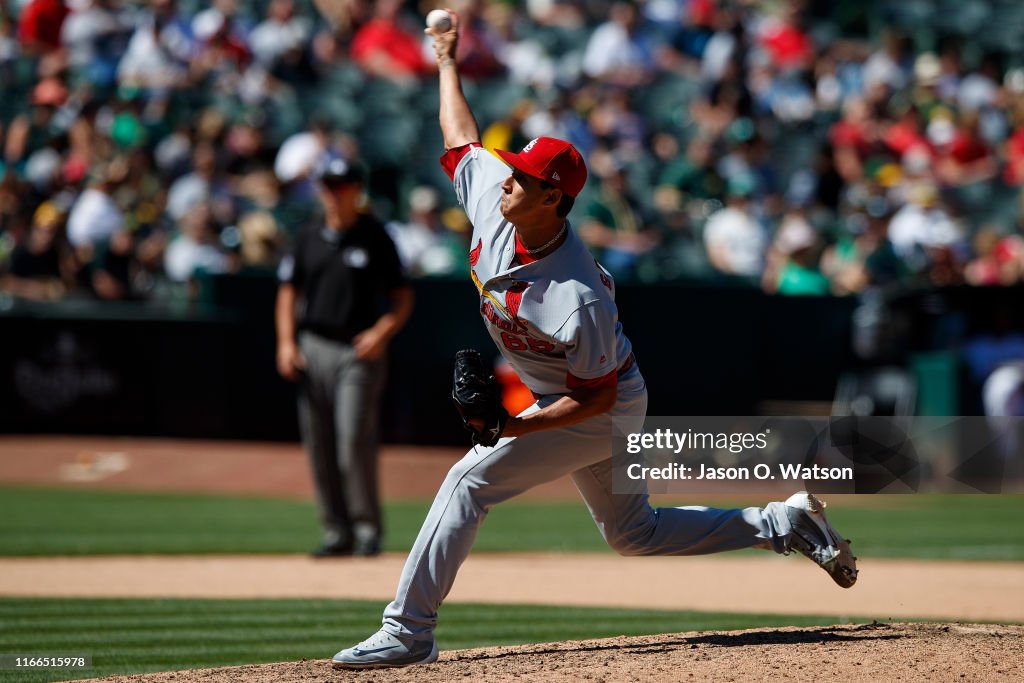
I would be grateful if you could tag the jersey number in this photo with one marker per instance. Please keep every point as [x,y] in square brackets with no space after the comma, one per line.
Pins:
[514,343]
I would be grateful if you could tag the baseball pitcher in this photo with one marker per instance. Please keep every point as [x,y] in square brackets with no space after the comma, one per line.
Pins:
[550,309]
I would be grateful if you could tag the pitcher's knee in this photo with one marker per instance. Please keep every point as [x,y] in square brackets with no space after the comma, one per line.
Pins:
[627,548]
[633,542]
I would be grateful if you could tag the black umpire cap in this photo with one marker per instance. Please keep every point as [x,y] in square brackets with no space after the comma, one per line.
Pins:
[337,172]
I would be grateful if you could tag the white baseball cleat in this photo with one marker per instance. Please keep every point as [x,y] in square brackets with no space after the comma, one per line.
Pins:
[814,537]
[384,651]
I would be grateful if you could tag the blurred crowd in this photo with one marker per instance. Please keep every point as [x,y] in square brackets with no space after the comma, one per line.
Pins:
[802,146]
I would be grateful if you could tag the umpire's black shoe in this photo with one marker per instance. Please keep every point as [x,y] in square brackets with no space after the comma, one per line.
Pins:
[369,548]
[334,550]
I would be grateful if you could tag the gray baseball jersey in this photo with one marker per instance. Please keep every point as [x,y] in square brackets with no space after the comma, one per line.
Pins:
[553,319]
[556,322]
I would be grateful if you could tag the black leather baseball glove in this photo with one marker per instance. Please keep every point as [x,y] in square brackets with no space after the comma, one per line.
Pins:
[477,397]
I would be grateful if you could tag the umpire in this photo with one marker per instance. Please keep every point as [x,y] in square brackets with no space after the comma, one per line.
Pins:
[342,297]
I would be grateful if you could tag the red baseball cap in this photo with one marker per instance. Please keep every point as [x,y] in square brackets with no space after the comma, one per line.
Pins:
[556,162]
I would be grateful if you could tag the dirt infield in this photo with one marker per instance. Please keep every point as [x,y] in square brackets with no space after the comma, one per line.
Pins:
[907,652]
[278,470]
[888,589]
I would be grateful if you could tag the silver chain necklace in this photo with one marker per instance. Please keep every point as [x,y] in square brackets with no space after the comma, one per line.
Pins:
[552,241]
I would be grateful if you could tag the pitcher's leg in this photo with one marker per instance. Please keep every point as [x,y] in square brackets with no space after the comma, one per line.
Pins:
[632,527]
[482,479]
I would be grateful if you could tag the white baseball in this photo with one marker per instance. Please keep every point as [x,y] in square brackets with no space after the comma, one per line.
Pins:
[439,20]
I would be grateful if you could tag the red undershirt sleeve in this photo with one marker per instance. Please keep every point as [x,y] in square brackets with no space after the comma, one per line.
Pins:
[450,159]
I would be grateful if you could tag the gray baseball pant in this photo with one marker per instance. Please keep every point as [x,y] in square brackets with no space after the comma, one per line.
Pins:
[339,405]
[488,476]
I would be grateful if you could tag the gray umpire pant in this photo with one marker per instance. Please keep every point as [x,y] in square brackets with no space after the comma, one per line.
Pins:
[488,476]
[339,406]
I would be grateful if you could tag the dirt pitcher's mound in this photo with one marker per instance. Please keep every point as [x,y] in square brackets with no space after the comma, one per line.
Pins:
[932,652]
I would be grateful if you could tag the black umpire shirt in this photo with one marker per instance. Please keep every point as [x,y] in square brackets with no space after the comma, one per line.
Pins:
[344,277]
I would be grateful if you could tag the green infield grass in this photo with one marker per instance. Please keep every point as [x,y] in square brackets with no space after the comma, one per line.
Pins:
[135,636]
[81,522]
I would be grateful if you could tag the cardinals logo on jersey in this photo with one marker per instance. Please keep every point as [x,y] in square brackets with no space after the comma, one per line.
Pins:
[474,255]
[514,298]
